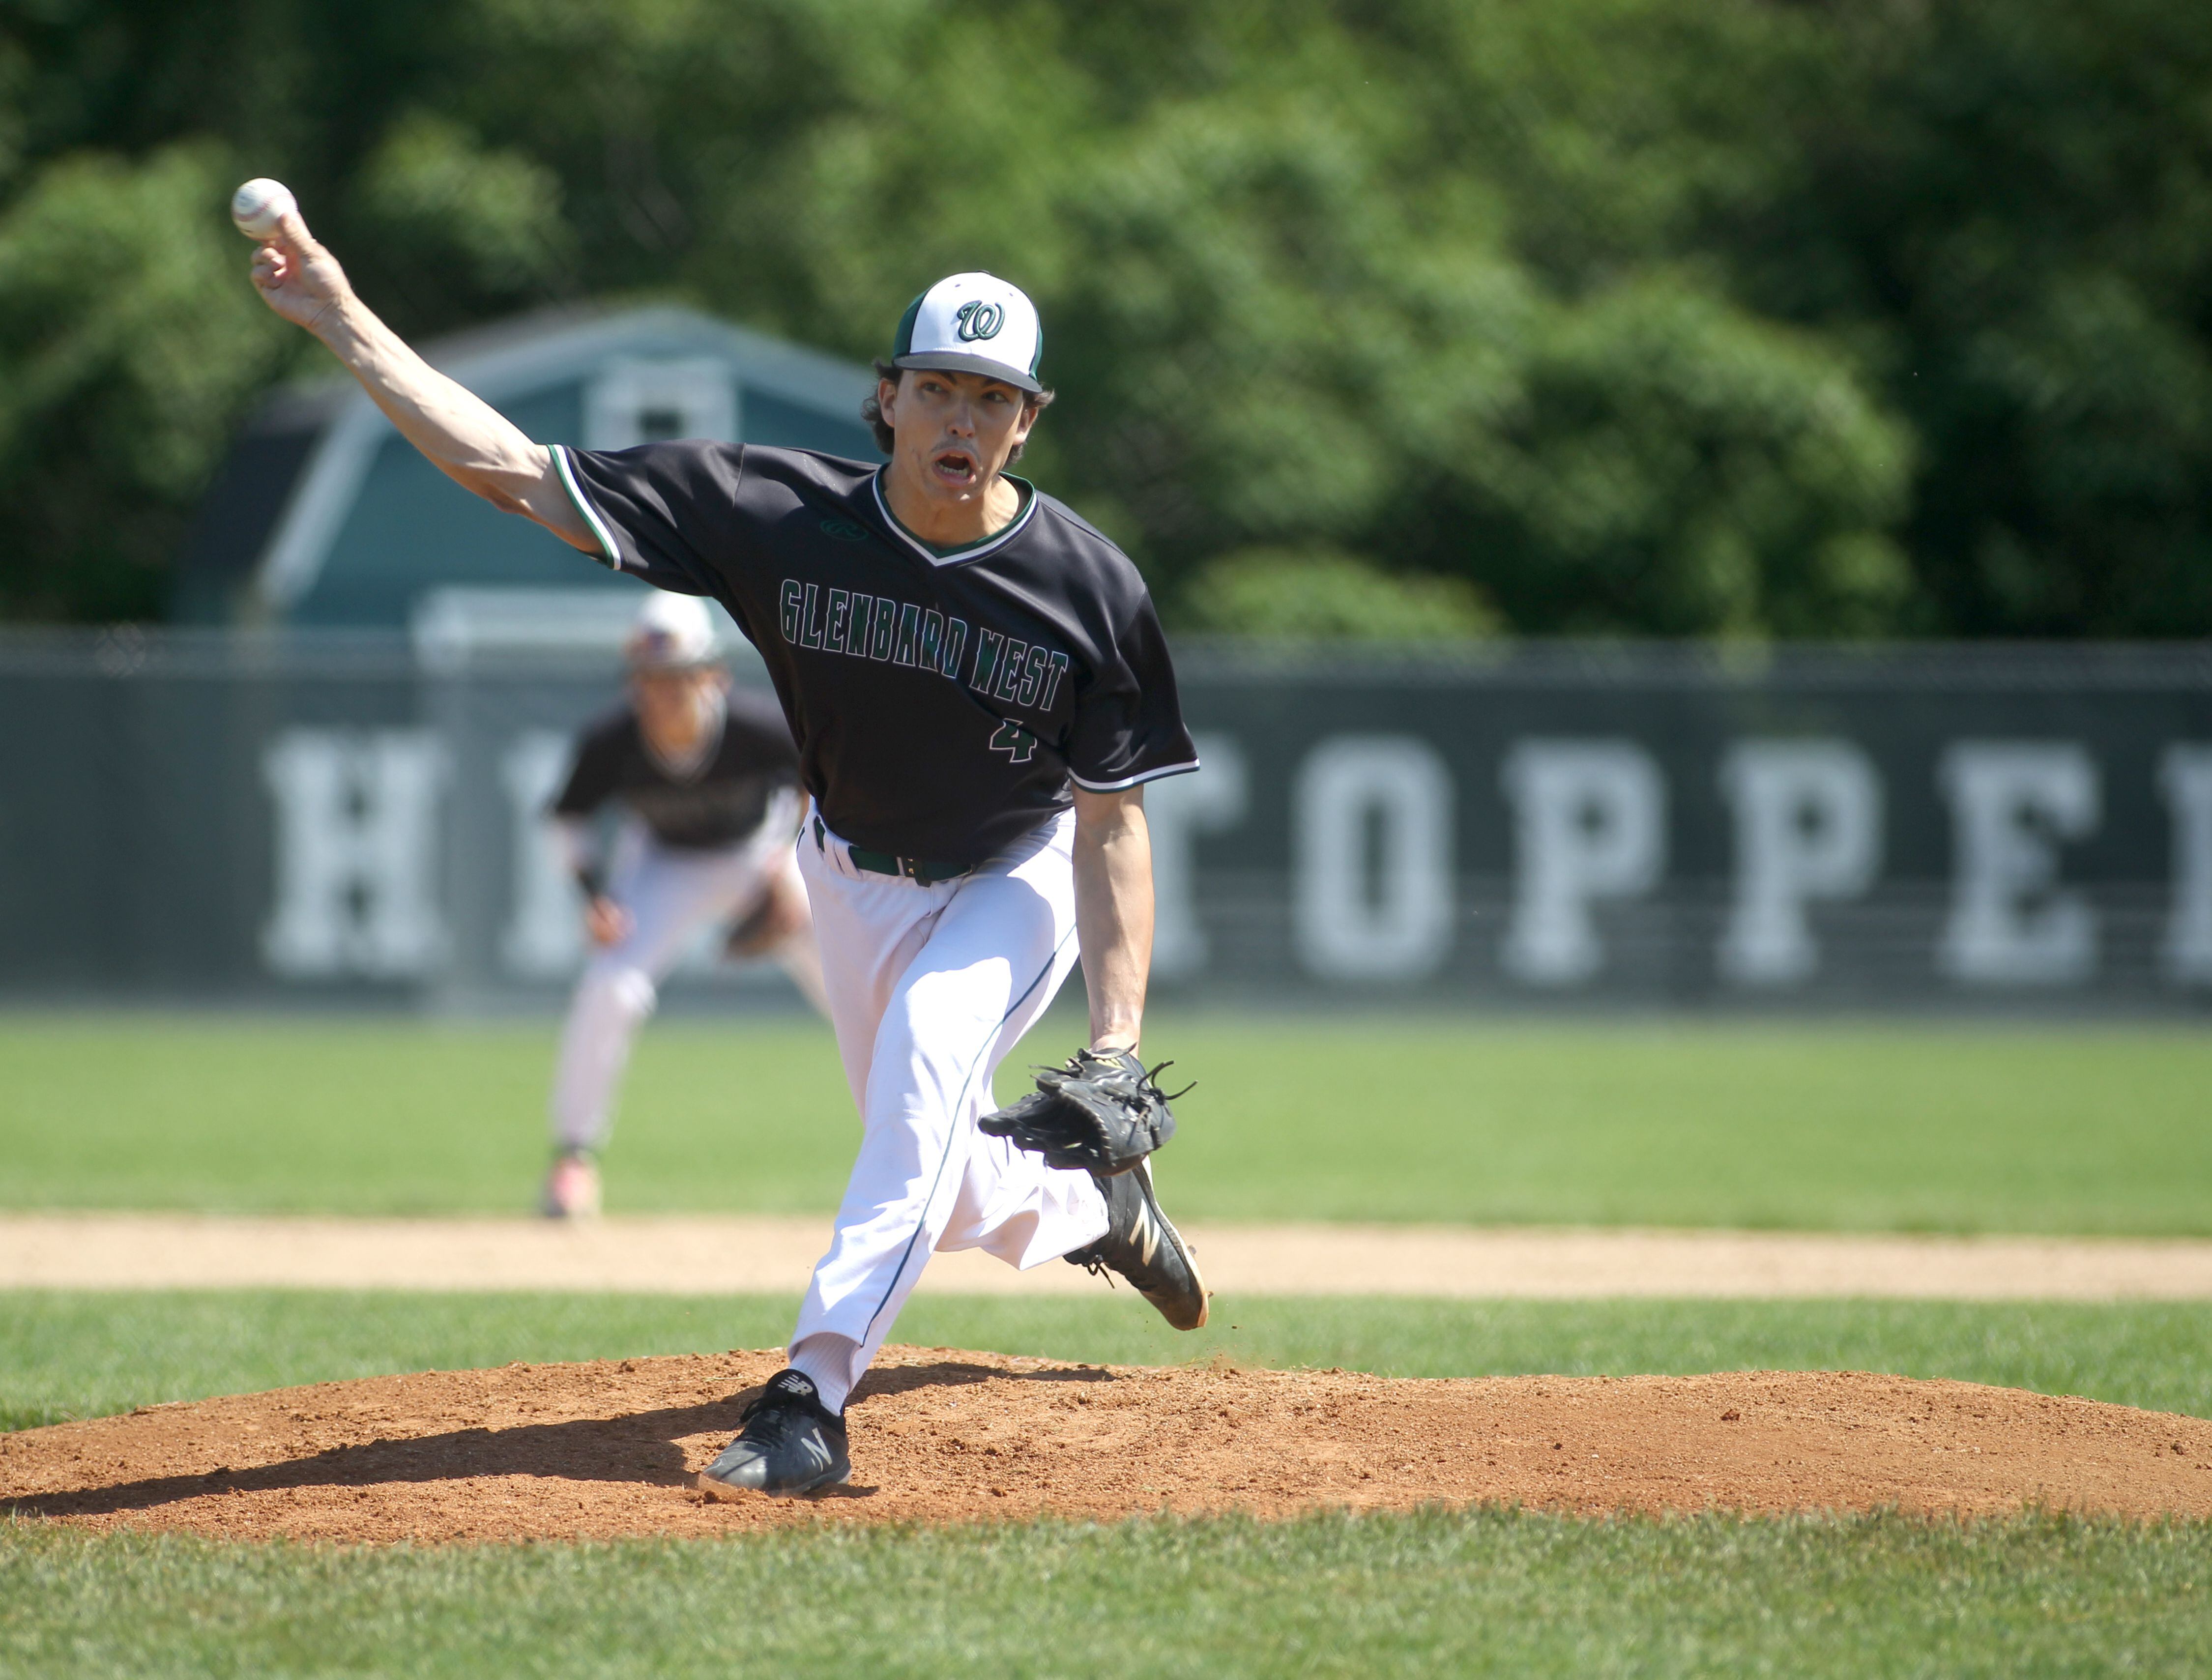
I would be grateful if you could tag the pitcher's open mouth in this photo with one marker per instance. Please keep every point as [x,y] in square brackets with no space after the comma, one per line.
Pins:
[954,466]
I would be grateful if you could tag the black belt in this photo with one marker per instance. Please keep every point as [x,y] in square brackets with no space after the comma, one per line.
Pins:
[920,871]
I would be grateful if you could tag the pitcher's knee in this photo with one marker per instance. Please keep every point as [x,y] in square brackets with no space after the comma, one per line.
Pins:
[624,988]
[948,1013]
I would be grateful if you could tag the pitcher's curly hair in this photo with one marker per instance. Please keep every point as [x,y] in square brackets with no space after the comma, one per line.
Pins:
[871,410]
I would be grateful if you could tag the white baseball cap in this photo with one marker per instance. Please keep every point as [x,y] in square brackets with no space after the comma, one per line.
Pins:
[973,324]
[672,633]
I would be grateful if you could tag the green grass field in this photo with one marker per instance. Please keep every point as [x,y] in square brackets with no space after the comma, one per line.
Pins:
[1817,1126]
[2014,1128]
[1467,1591]
[1479,1592]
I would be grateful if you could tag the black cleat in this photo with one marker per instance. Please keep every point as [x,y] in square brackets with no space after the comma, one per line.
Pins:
[1146,1249]
[791,1443]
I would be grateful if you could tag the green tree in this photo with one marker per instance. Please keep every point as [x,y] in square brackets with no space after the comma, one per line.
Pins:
[2007,205]
[1710,317]
[128,349]
[1321,594]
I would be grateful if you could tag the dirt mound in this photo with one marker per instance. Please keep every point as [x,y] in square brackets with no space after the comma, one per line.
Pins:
[610,1448]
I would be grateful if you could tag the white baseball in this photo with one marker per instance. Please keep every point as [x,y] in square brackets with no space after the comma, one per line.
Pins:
[259,205]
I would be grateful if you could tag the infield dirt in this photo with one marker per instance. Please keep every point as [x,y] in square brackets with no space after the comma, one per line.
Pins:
[610,1448]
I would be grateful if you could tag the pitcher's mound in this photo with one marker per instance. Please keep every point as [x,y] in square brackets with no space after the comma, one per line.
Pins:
[610,1448]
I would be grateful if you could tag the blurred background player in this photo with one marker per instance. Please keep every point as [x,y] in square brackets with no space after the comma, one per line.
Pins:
[706,782]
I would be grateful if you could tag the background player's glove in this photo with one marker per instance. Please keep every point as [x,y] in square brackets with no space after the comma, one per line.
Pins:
[1101,1112]
[781,913]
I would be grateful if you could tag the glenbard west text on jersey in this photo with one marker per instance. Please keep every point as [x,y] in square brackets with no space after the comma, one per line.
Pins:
[905,634]
[942,703]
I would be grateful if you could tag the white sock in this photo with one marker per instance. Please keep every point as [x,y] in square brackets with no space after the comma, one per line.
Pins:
[826,1360]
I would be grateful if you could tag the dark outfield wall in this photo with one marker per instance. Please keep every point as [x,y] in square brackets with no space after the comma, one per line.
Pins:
[200,817]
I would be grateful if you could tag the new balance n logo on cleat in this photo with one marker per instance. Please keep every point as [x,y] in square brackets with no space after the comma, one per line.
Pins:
[1145,1235]
[791,1444]
[1143,1247]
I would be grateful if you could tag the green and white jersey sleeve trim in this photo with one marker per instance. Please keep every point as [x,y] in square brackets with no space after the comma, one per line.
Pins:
[1132,781]
[610,556]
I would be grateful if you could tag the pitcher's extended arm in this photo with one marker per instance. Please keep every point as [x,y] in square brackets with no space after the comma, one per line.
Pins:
[464,437]
[1114,911]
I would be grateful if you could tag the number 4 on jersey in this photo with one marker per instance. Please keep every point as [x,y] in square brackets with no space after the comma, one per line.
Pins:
[1016,743]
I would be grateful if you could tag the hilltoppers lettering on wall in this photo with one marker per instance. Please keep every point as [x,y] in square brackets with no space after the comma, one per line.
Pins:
[1376,890]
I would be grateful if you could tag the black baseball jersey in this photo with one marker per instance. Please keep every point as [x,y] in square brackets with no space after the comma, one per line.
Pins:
[941,705]
[721,802]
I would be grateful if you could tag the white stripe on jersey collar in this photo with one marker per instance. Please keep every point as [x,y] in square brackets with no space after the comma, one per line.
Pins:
[1012,527]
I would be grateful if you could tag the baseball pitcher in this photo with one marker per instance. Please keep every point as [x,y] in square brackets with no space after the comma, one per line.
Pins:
[979,689]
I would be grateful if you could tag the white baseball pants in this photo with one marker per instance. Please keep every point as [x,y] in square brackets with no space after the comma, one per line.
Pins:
[929,988]
[669,895]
